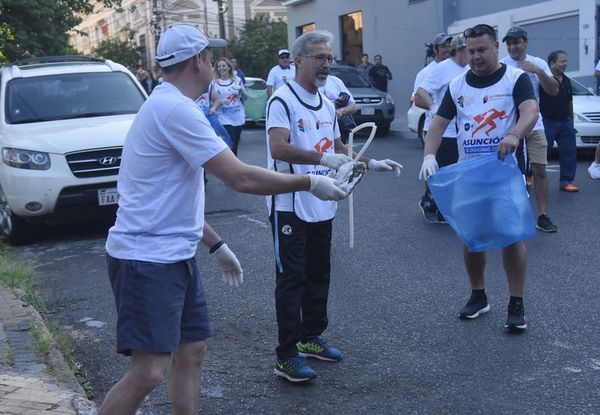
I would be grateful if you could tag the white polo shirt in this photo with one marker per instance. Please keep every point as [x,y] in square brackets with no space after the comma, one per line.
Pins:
[161,209]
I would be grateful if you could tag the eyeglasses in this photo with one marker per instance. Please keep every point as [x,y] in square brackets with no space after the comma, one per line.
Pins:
[284,57]
[321,58]
[478,30]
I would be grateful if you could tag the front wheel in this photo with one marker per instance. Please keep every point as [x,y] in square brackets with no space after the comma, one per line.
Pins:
[383,128]
[14,229]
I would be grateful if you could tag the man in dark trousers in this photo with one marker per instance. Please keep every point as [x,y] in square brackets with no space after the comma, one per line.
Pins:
[379,74]
[557,112]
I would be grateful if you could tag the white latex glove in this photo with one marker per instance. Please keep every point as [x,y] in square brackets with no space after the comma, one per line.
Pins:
[385,165]
[325,188]
[232,272]
[428,167]
[334,160]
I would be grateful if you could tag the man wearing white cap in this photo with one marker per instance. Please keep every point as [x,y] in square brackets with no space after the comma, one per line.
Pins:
[162,318]
[281,73]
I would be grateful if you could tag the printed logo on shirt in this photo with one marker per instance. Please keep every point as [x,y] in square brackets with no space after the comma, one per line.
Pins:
[286,230]
[301,124]
[486,121]
[496,97]
[323,124]
[324,144]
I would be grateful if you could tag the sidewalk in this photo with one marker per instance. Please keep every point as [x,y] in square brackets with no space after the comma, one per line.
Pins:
[28,385]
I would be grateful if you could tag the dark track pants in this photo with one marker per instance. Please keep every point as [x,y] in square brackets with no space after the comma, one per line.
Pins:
[302,260]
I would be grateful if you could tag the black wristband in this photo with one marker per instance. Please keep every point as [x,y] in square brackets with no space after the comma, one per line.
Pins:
[216,246]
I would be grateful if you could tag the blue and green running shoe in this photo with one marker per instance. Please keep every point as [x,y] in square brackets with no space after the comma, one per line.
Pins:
[294,369]
[319,349]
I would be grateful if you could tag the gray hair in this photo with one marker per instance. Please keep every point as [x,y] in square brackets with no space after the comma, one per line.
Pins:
[300,45]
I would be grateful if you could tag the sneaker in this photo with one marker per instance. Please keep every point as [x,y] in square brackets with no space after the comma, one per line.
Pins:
[476,306]
[294,369]
[515,319]
[544,224]
[428,209]
[594,170]
[319,349]
[569,187]
[440,218]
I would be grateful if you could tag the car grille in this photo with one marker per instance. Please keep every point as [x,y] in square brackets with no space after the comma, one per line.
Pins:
[367,100]
[590,140]
[95,163]
[592,116]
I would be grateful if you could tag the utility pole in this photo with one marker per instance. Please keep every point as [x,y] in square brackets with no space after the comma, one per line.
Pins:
[157,19]
[222,9]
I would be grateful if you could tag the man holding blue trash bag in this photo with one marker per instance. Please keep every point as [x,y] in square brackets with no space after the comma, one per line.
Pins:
[485,101]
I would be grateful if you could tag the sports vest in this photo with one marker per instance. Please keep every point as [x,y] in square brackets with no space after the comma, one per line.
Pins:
[311,128]
[484,115]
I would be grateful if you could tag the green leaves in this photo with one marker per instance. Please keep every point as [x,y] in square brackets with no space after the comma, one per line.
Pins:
[120,51]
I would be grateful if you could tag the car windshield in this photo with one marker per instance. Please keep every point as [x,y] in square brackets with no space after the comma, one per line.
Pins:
[350,77]
[65,96]
[579,89]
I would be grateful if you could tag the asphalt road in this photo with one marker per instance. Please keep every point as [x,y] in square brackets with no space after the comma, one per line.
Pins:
[393,308]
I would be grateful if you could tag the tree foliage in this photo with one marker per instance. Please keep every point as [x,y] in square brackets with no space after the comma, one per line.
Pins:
[120,51]
[257,45]
[39,27]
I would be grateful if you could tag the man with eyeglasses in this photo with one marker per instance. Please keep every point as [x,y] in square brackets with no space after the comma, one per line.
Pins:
[303,138]
[441,49]
[498,91]
[535,145]
[281,73]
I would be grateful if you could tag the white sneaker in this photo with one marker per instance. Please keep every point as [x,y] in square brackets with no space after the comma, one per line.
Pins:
[594,170]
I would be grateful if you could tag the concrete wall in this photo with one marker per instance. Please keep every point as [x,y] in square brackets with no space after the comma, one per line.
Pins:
[393,28]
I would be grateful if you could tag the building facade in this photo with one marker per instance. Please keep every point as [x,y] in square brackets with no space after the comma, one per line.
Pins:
[144,20]
[399,29]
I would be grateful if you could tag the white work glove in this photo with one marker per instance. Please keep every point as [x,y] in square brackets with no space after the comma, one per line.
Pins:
[334,160]
[230,266]
[428,167]
[385,165]
[325,188]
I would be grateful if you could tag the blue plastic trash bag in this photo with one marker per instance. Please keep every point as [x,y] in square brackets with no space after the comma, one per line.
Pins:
[485,201]
[213,119]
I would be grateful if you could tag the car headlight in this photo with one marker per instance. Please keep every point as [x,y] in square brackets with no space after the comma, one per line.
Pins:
[389,99]
[579,118]
[25,159]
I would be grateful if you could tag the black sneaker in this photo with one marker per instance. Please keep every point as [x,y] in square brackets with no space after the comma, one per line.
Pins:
[476,306]
[515,319]
[544,224]
[429,210]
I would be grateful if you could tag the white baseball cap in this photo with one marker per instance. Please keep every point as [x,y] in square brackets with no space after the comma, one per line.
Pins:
[181,42]
[283,52]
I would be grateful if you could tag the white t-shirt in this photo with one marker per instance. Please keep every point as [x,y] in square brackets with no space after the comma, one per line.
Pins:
[312,125]
[422,74]
[435,83]
[535,80]
[229,93]
[278,76]
[483,123]
[333,88]
[161,209]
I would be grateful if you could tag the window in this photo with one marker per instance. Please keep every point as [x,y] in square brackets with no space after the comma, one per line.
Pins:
[352,43]
[309,27]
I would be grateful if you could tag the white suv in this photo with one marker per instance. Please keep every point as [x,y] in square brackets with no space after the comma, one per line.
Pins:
[63,122]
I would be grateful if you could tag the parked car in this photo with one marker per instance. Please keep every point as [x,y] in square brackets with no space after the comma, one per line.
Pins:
[63,123]
[415,118]
[256,100]
[373,105]
[586,114]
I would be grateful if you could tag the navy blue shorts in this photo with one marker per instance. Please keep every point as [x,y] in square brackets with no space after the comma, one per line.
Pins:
[158,305]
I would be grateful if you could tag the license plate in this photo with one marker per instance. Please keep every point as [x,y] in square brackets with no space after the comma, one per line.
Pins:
[108,197]
[367,111]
